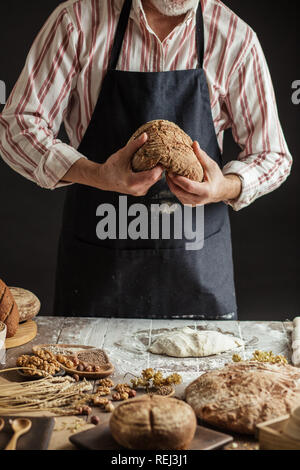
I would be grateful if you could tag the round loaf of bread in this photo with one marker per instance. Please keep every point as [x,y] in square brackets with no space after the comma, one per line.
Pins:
[28,304]
[169,146]
[9,313]
[152,422]
[242,395]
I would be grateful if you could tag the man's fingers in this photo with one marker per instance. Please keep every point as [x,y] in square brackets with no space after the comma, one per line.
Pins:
[134,145]
[180,193]
[191,187]
[187,190]
[149,176]
[184,198]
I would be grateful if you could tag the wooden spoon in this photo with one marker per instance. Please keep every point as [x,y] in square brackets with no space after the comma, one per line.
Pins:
[20,426]
[2,423]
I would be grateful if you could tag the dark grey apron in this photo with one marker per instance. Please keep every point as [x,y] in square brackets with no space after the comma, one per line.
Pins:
[144,277]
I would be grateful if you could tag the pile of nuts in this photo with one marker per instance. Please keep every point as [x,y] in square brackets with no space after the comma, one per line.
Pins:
[123,392]
[72,362]
[44,362]
[41,363]
[118,392]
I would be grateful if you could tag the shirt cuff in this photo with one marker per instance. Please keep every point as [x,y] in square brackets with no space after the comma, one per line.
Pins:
[250,183]
[55,164]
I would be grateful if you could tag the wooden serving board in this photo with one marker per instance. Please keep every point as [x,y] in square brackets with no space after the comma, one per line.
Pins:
[25,333]
[100,438]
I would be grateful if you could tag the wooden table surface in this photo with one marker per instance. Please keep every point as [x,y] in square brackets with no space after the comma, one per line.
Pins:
[126,342]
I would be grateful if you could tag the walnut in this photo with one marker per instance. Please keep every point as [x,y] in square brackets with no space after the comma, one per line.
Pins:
[64,360]
[100,401]
[38,364]
[106,383]
[103,391]
[122,388]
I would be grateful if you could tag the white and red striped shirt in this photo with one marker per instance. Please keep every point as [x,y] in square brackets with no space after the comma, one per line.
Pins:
[64,70]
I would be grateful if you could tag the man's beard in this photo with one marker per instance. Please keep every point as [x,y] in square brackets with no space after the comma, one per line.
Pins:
[174,7]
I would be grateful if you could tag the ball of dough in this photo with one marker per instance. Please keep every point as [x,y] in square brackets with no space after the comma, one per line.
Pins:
[186,342]
[169,146]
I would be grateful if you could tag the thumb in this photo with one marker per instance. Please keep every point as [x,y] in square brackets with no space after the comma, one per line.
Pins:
[206,162]
[133,146]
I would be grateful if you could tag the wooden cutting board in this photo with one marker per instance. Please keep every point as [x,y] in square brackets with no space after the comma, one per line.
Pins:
[25,333]
[100,438]
[36,439]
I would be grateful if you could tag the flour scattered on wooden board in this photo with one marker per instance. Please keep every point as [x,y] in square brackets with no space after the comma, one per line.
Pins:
[186,342]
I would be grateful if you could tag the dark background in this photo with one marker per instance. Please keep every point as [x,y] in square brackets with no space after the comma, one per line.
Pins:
[265,235]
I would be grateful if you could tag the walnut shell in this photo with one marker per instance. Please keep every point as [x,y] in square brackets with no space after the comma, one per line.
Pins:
[152,422]
[169,146]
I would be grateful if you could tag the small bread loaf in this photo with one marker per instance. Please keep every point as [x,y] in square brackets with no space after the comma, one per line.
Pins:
[9,313]
[240,396]
[28,304]
[152,422]
[169,146]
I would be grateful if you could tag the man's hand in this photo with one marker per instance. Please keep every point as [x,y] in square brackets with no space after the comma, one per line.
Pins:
[116,173]
[215,187]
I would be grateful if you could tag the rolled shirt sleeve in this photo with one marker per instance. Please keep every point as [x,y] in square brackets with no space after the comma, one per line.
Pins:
[32,117]
[265,161]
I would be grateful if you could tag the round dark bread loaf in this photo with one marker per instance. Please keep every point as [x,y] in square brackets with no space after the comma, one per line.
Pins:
[9,313]
[153,422]
[169,146]
[28,303]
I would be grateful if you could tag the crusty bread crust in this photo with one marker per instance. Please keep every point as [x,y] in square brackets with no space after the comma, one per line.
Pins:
[240,396]
[28,304]
[9,313]
[169,146]
[153,423]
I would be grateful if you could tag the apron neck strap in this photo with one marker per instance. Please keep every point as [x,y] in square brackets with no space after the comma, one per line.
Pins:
[200,35]
[119,36]
[122,26]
